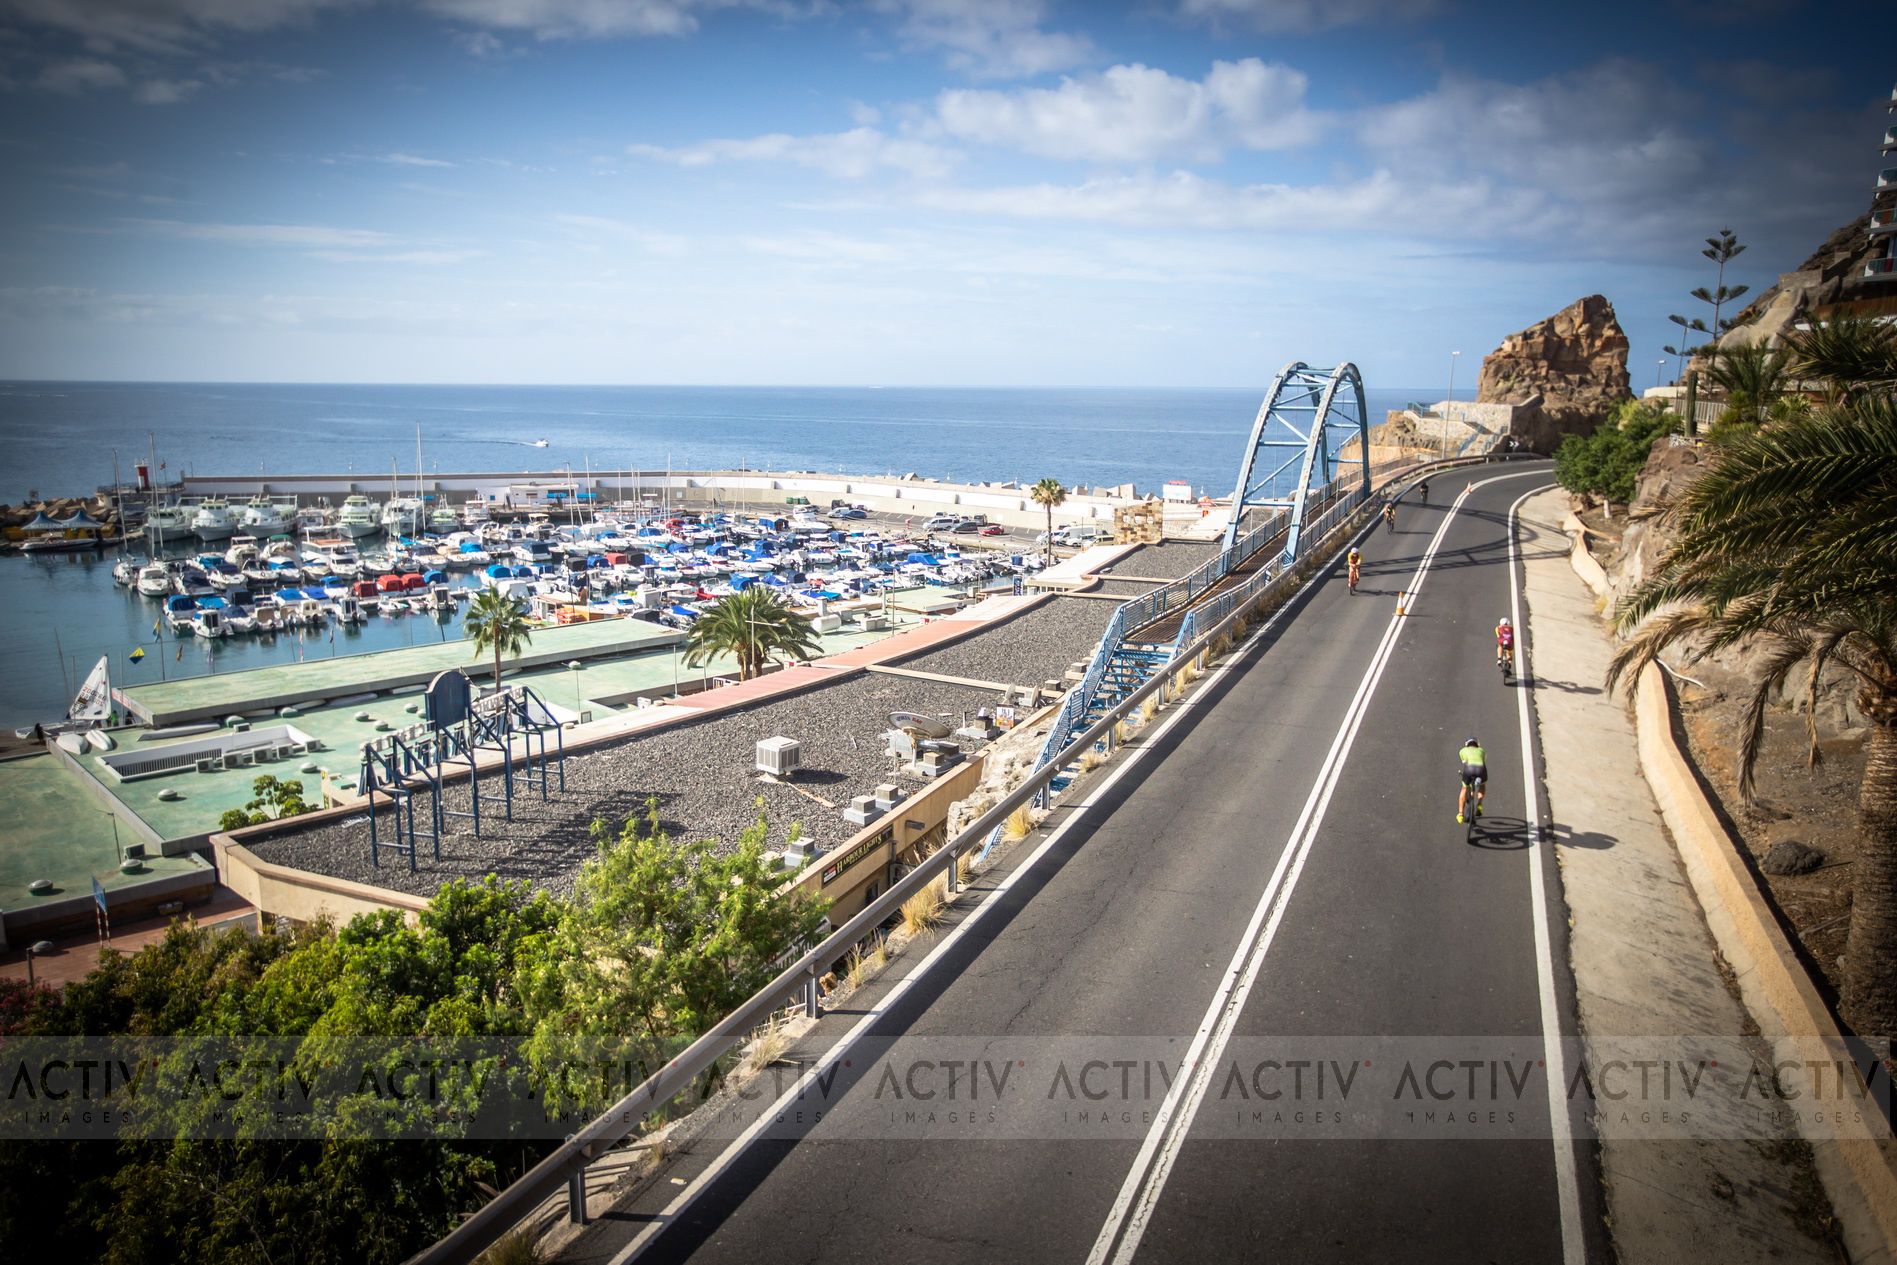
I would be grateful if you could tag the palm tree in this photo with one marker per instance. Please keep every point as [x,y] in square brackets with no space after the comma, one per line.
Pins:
[755,627]
[1850,356]
[1785,545]
[1754,378]
[499,623]
[1049,493]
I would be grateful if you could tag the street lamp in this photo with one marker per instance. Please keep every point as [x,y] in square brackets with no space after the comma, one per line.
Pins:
[574,666]
[1451,400]
[1658,371]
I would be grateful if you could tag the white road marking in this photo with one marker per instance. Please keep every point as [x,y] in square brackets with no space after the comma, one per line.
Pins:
[1567,1180]
[1132,1210]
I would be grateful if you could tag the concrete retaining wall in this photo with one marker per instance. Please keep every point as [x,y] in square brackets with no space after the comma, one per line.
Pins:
[1857,1161]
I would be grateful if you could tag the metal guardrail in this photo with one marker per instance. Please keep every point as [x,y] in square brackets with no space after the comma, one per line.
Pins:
[566,1166]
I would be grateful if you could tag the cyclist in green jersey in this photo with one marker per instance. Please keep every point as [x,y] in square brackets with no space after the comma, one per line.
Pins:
[1475,776]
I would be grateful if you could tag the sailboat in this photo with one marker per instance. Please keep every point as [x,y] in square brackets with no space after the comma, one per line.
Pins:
[85,720]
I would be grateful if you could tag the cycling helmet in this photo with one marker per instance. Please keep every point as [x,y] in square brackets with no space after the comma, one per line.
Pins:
[1504,621]
[1470,741]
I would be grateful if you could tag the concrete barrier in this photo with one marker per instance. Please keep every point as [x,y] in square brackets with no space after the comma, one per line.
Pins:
[1585,564]
[1857,1162]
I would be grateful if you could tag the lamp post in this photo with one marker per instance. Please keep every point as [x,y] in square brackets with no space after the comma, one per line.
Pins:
[1453,356]
[1660,369]
[574,666]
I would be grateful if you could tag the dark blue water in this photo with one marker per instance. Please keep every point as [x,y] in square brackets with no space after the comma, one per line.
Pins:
[61,439]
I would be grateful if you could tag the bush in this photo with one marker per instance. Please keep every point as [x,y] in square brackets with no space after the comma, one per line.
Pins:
[1606,463]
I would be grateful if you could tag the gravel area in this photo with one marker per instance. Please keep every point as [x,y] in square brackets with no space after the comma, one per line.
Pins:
[1026,650]
[1123,588]
[1168,560]
[702,775]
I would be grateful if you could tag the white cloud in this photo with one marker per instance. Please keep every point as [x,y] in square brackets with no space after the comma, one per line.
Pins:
[1304,16]
[1139,114]
[424,257]
[411,160]
[850,155]
[650,240]
[586,19]
[162,26]
[165,91]
[80,75]
[315,236]
[990,38]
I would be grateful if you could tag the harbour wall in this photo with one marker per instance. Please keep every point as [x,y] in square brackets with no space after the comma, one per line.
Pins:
[526,490]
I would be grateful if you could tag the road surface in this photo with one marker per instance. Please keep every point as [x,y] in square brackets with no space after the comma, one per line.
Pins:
[1284,895]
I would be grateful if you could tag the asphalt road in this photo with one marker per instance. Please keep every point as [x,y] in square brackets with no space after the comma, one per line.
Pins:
[1277,884]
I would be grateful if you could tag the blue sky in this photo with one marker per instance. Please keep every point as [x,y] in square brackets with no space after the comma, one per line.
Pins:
[999,192]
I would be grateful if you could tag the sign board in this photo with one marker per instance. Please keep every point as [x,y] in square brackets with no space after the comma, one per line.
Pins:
[446,702]
[886,835]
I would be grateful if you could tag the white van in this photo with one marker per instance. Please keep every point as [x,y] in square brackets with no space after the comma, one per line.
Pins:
[1084,534]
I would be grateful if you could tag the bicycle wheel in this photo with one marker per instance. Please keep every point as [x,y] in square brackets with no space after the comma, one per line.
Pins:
[1475,792]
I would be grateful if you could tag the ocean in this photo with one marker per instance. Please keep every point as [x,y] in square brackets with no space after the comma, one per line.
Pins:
[59,613]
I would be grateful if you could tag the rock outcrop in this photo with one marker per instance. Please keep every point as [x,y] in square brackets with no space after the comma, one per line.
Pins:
[1831,279]
[1576,360]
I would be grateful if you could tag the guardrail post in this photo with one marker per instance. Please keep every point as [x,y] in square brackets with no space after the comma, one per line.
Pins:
[576,1198]
[948,876]
[812,1007]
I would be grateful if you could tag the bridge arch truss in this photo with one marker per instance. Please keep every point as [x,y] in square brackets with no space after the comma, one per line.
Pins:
[1297,448]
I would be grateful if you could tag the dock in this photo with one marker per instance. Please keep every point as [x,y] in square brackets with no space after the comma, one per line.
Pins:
[315,680]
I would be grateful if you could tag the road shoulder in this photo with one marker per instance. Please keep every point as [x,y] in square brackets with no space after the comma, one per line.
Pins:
[1644,963]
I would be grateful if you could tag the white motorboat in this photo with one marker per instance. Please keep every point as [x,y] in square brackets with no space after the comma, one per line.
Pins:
[168,522]
[267,616]
[208,623]
[243,551]
[332,557]
[403,516]
[359,517]
[474,513]
[124,572]
[348,609]
[241,619]
[315,520]
[266,517]
[442,519]
[213,520]
[154,580]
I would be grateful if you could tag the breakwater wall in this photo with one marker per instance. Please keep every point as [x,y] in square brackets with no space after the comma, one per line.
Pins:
[529,490]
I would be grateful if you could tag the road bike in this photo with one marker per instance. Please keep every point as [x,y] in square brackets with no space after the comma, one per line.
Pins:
[1505,660]
[1469,818]
[1356,574]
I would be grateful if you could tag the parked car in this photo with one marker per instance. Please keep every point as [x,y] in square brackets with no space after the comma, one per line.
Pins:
[941,522]
[849,511]
[993,529]
[965,526]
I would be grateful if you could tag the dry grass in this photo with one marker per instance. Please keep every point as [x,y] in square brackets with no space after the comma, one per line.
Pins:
[657,1151]
[965,867]
[1149,709]
[863,966]
[1122,732]
[923,911]
[768,1046]
[515,1248]
[1091,759]
[1020,822]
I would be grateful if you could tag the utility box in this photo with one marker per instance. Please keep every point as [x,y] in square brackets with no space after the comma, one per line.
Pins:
[779,757]
[862,811]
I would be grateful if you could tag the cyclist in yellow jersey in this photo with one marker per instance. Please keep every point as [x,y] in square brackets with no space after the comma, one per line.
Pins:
[1356,567]
[1475,776]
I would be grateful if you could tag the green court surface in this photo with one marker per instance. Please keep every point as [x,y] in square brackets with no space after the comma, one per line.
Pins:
[205,797]
[55,830]
[213,697]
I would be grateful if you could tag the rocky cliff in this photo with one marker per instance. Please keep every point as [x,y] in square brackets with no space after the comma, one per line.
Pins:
[1576,360]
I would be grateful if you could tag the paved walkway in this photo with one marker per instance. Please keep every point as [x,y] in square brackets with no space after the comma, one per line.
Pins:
[74,955]
[1644,963]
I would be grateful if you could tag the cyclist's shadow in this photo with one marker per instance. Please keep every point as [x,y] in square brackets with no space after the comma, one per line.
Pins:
[1500,834]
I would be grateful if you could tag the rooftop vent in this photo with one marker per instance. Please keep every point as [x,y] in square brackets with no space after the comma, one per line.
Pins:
[779,757]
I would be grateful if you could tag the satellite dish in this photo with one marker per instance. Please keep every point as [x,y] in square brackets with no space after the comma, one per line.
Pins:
[927,726]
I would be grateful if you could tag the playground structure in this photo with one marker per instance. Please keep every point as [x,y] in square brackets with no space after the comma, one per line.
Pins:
[457,728]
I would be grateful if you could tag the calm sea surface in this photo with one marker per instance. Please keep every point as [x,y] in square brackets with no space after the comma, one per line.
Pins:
[59,439]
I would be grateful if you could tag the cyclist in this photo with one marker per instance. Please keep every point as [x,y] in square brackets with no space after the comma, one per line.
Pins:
[1423,490]
[1505,644]
[1475,776]
[1356,567]
[1389,516]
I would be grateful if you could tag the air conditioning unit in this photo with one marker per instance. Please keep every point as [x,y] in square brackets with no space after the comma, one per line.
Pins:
[210,764]
[267,755]
[779,757]
[240,759]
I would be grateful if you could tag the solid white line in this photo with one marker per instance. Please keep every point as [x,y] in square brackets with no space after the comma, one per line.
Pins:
[1134,757]
[1567,1180]
[1132,1209]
